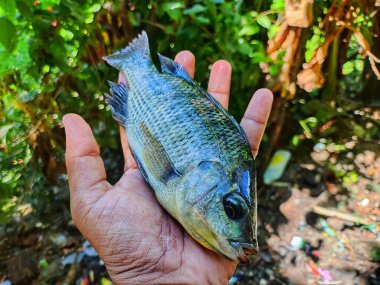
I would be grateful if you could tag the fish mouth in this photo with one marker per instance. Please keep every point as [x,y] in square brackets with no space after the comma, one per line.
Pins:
[243,249]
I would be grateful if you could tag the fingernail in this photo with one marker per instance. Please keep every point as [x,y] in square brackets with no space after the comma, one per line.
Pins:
[185,57]
[223,68]
[220,76]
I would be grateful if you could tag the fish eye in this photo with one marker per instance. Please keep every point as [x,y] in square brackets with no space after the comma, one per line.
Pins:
[234,206]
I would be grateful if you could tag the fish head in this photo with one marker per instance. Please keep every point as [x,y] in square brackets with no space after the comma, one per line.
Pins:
[219,210]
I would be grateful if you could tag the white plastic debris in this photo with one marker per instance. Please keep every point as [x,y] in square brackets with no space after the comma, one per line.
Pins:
[277,165]
[297,243]
[363,203]
[73,257]
[88,249]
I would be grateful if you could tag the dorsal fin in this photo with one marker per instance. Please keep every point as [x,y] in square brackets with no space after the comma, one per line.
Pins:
[139,47]
[154,153]
[171,67]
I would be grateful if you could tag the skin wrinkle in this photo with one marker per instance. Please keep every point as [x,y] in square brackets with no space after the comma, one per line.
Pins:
[112,236]
[100,215]
[159,261]
[260,123]
[88,154]
[100,181]
[85,219]
[136,249]
[194,272]
[122,183]
[166,251]
[138,269]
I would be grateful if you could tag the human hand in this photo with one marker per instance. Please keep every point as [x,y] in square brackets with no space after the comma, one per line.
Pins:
[137,240]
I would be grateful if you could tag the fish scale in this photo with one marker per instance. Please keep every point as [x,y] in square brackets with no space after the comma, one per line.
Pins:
[192,153]
[187,129]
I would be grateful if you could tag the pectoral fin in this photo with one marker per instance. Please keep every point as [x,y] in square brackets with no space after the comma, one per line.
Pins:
[154,154]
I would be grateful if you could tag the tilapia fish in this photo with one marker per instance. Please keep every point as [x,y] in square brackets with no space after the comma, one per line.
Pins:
[192,153]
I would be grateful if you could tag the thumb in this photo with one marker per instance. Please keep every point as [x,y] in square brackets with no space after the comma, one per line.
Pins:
[85,168]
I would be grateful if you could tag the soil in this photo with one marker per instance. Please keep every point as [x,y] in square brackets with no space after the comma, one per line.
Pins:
[333,251]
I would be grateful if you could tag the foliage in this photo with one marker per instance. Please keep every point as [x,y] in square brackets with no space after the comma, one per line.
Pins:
[51,64]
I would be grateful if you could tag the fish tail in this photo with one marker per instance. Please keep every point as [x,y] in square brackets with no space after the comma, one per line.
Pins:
[118,102]
[137,49]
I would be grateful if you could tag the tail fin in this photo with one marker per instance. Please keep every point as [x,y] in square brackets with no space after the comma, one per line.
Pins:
[118,102]
[138,48]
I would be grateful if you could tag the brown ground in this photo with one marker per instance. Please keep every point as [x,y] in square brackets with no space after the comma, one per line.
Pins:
[335,251]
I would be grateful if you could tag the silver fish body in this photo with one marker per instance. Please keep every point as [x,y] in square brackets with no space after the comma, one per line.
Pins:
[192,153]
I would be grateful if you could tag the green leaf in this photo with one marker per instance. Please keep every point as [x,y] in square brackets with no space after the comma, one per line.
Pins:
[197,8]
[203,20]
[348,67]
[274,70]
[278,5]
[258,57]
[172,6]
[95,8]
[264,21]
[7,34]
[8,8]
[4,130]
[249,30]
[23,7]
[367,35]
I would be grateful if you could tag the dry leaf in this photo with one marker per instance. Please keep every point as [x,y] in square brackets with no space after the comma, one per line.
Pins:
[311,78]
[299,13]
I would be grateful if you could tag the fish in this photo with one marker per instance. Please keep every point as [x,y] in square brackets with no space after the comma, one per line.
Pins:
[189,149]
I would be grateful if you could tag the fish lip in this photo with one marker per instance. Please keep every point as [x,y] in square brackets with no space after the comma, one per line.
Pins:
[243,250]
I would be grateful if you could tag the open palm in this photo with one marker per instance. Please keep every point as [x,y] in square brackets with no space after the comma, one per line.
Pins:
[137,240]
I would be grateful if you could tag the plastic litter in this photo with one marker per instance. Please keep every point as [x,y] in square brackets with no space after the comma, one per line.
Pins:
[73,257]
[314,270]
[326,275]
[297,243]
[43,263]
[233,280]
[6,282]
[315,253]
[326,228]
[88,249]
[363,203]
[263,281]
[105,281]
[277,165]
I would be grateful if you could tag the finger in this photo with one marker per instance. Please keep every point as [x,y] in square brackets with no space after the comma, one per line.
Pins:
[85,167]
[187,60]
[129,161]
[256,117]
[220,82]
